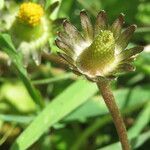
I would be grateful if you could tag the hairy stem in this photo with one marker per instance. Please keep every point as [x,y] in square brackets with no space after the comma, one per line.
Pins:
[109,99]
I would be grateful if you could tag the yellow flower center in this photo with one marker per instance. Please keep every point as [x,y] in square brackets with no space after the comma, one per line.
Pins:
[30,13]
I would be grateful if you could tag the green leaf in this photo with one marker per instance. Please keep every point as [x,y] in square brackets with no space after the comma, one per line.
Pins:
[55,111]
[54,8]
[89,5]
[142,120]
[128,100]
[125,98]
[15,96]
[7,46]
[138,141]
[141,139]
[1,4]
[6,42]
[16,118]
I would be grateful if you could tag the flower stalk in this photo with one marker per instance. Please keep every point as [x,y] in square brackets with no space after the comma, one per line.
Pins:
[104,87]
[100,54]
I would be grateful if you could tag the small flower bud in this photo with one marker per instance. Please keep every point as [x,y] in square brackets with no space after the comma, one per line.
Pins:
[30,27]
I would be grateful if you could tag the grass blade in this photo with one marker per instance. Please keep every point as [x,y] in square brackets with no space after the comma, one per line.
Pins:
[16,58]
[61,106]
[142,120]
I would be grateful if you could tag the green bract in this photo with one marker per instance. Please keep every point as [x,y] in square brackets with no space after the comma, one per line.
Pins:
[98,51]
[30,27]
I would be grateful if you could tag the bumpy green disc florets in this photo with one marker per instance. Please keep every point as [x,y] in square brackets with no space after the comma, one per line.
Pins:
[99,55]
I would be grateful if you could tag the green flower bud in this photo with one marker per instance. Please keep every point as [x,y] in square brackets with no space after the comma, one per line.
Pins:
[30,31]
[30,26]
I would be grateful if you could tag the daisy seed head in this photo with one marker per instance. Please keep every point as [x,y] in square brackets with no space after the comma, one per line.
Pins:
[99,51]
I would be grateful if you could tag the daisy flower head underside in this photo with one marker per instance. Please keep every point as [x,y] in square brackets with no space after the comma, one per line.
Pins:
[98,51]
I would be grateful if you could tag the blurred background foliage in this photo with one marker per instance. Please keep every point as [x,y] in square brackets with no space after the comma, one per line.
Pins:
[74,116]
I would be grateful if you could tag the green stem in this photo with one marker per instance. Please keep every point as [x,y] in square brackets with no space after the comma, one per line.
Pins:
[31,90]
[89,131]
[109,99]
[54,79]
[16,58]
